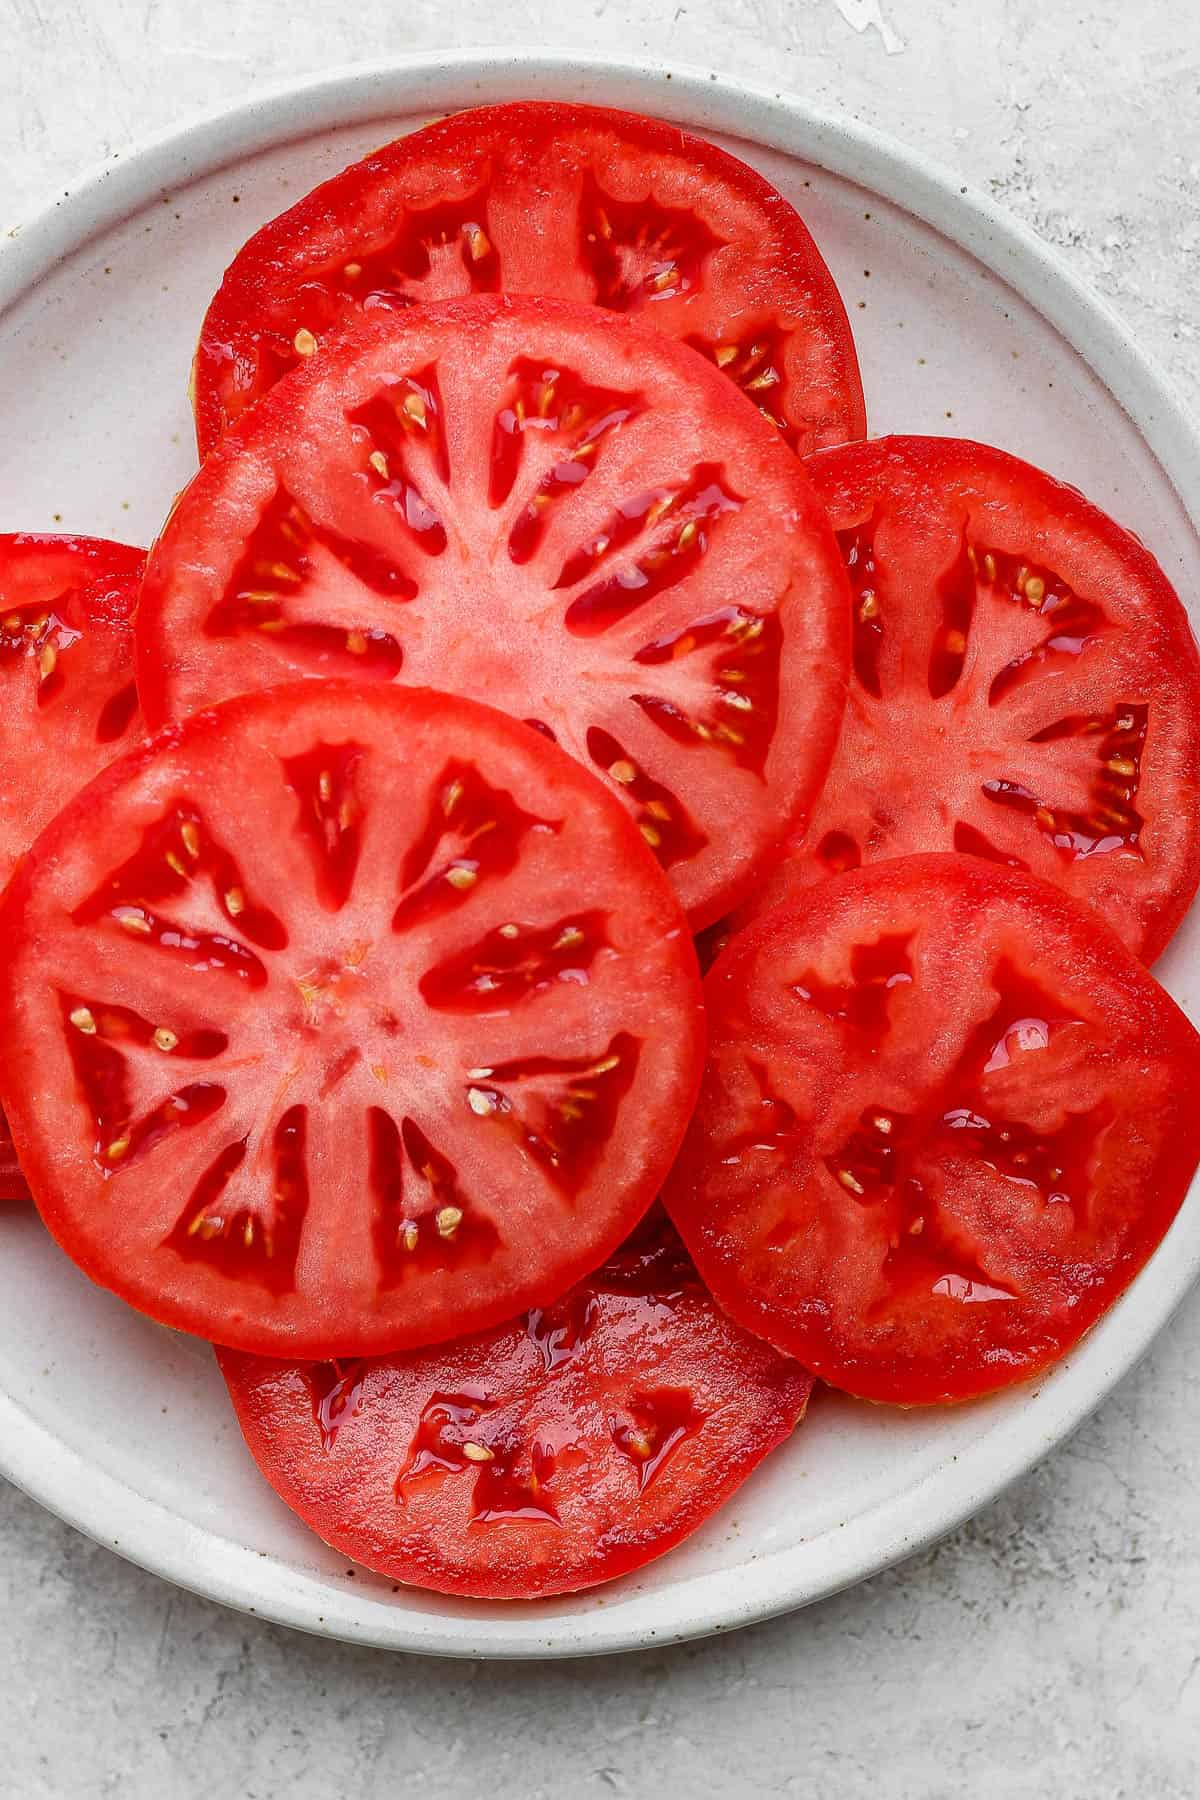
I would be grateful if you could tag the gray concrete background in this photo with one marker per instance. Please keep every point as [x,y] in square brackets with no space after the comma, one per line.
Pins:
[1052,1646]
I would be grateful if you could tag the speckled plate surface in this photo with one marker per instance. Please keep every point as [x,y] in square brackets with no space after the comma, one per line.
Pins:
[966,324]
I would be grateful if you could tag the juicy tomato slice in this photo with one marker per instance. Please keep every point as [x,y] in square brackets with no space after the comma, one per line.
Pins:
[946,1118]
[550,509]
[575,202]
[69,704]
[343,1018]
[1025,686]
[559,1450]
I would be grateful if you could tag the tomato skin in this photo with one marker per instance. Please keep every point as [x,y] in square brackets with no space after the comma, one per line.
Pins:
[760,295]
[628,575]
[926,1182]
[255,988]
[1065,739]
[613,1426]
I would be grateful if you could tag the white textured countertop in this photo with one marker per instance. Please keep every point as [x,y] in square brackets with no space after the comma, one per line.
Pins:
[1052,1646]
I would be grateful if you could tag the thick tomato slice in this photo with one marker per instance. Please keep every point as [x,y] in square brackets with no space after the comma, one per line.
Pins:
[533,198]
[946,1118]
[68,704]
[344,1018]
[1025,686]
[556,1451]
[550,509]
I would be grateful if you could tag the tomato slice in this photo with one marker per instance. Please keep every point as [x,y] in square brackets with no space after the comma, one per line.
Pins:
[575,202]
[946,1118]
[1025,686]
[556,1451]
[344,1018]
[66,682]
[66,674]
[550,509]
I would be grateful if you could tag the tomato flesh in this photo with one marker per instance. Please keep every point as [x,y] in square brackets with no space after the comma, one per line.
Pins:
[558,1450]
[946,1118]
[574,202]
[1025,686]
[66,683]
[549,509]
[344,1018]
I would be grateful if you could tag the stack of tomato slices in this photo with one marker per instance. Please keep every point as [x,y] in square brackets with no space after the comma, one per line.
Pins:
[538,619]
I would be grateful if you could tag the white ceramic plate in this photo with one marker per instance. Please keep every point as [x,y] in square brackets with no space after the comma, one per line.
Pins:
[965,325]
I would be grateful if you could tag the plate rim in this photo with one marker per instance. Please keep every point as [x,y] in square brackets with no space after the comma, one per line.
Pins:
[215,1566]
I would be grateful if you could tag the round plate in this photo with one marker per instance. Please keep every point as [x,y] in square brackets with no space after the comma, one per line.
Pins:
[965,325]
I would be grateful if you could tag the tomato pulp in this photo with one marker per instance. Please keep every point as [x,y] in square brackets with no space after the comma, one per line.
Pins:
[556,1451]
[344,1018]
[576,202]
[946,1118]
[550,509]
[1025,686]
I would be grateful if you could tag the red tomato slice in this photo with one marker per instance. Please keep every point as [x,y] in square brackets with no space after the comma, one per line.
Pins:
[66,674]
[571,201]
[556,1451]
[946,1118]
[344,1018]
[547,508]
[66,685]
[1025,686]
